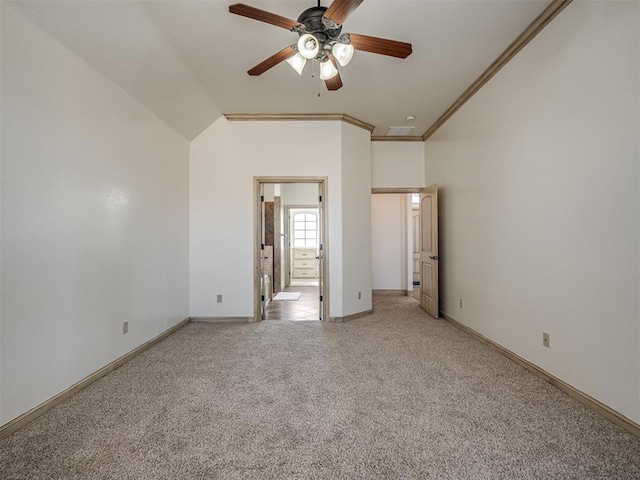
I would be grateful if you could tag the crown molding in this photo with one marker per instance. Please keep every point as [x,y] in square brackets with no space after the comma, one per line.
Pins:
[395,190]
[233,117]
[535,27]
[396,138]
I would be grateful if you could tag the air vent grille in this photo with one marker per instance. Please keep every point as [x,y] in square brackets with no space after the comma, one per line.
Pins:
[400,131]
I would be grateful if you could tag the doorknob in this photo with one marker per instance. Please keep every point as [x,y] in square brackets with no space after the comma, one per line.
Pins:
[434,257]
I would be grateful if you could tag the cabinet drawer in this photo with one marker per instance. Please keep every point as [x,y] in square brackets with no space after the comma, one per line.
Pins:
[304,253]
[304,272]
[297,263]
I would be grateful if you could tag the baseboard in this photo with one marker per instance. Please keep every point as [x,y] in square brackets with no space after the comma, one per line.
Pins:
[222,319]
[353,316]
[587,400]
[19,422]
[389,293]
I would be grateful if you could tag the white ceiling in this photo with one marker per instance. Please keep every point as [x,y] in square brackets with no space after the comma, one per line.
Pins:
[186,60]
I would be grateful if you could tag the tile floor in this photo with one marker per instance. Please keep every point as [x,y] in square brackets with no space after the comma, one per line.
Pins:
[305,308]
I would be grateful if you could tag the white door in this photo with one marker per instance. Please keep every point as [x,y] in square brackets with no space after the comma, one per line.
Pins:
[429,299]
[262,255]
[415,242]
[320,258]
[304,245]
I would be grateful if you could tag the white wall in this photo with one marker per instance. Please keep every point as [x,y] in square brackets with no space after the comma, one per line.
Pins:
[94,217]
[298,194]
[356,219]
[397,164]
[269,192]
[540,203]
[389,241]
[224,160]
[1,149]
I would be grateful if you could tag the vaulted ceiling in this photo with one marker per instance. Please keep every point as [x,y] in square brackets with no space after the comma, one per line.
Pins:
[186,60]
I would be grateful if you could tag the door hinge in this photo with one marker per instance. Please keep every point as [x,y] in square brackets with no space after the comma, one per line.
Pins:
[321,298]
[320,246]
[262,298]
[320,199]
[262,246]
[262,198]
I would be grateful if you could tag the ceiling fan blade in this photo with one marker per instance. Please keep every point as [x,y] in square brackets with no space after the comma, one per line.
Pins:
[382,46]
[272,61]
[334,83]
[262,16]
[339,10]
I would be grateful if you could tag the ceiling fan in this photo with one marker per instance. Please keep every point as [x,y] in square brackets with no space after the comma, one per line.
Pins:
[321,38]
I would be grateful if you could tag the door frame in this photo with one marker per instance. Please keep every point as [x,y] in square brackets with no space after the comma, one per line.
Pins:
[287,231]
[407,224]
[323,205]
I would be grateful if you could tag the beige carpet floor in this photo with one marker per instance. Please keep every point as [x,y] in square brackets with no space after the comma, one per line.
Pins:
[393,395]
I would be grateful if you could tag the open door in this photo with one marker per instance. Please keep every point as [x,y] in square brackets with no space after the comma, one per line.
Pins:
[320,256]
[261,228]
[429,299]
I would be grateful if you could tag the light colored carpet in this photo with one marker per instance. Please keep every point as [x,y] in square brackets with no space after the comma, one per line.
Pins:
[287,296]
[393,395]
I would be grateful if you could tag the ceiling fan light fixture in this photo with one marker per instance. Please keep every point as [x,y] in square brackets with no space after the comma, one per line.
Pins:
[343,53]
[327,70]
[320,38]
[308,46]
[297,62]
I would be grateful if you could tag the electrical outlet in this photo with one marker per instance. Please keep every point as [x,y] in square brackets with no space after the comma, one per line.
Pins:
[545,339]
[359,295]
[219,298]
[460,303]
[125,327]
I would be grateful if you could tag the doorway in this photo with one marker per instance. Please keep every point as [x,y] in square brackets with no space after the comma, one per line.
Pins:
[397,241]
[290,254]
[301,245]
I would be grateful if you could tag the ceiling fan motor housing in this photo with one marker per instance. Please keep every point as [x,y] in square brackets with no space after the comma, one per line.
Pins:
[312,19]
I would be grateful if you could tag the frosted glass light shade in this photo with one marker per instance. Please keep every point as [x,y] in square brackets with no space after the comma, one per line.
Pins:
[308,46]
[343,53]
[297,62]
[327,70]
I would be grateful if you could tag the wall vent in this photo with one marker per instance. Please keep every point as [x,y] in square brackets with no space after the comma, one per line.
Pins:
[400,131]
